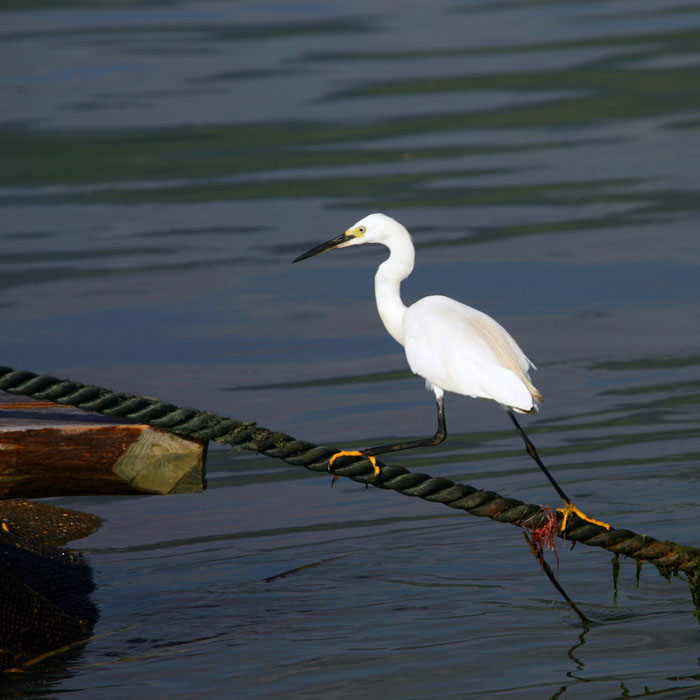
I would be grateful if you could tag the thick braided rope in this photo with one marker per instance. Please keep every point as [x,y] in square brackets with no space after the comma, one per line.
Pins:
[668,557]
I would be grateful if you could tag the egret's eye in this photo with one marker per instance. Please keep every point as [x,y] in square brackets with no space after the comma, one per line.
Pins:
[362,229]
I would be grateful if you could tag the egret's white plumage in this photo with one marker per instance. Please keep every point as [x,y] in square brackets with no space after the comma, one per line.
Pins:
[475,357]
[453,346]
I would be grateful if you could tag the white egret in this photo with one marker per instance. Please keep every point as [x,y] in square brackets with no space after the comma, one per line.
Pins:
[452,346]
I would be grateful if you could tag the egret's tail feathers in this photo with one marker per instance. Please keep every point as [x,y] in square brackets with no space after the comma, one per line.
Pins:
[536,396]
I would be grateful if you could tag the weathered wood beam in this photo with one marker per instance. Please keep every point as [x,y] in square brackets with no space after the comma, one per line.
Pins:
[47,449]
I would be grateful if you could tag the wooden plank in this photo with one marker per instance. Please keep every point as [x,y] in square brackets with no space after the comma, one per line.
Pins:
[47,449]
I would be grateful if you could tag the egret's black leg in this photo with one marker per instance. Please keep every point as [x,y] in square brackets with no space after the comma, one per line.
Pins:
[436,439]
[569,506]
[533,453]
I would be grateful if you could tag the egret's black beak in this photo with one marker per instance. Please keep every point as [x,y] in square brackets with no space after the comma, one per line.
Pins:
[328,245]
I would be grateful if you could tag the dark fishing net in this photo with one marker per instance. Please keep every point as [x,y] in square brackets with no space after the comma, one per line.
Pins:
[44,589]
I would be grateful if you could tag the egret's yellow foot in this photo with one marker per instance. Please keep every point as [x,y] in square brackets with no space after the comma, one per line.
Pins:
[355,453]
[570,508]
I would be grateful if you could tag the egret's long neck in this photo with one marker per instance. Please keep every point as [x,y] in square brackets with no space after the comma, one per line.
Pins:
[387,285]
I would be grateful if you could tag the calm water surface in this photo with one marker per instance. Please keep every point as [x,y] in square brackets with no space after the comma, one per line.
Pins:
[164,162]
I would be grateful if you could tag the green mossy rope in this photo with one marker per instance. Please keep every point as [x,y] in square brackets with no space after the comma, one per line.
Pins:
[668,557]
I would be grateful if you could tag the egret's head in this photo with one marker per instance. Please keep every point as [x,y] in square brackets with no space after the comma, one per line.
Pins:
[375,228]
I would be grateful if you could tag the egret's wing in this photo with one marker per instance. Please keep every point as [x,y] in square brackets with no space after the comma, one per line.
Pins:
[463,350]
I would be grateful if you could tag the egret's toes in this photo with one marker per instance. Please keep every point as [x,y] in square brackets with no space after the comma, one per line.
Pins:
[570,508]
[354,453]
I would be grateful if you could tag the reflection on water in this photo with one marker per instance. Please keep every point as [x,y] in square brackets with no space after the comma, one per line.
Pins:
[164,164]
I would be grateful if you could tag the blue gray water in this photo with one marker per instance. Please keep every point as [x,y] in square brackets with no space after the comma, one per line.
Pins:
[162,165]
